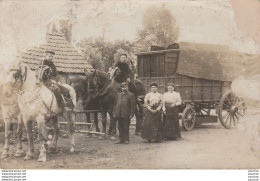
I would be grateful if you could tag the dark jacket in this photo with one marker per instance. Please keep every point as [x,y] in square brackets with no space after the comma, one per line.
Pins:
[52,67]
[124,105]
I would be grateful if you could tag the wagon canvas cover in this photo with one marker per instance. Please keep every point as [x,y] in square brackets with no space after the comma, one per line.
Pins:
[213,62]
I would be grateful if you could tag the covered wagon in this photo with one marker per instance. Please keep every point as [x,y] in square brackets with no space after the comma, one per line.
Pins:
[202,74]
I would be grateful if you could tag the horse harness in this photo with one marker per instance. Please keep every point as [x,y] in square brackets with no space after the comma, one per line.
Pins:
[18,76]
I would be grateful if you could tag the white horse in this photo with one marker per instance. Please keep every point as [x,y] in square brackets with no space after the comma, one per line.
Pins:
[37,102]
[10,114]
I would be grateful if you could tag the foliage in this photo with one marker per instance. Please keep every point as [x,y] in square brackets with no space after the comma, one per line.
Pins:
[159,28]
[102,54]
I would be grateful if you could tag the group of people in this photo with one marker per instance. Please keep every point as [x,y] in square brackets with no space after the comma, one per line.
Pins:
[161,120]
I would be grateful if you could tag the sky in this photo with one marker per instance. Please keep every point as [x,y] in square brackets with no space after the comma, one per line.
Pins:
[23,23]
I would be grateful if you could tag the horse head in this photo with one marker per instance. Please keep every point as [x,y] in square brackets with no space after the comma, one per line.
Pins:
[17,76]
[96,84]
[79,85]
[44,73]
[113,73]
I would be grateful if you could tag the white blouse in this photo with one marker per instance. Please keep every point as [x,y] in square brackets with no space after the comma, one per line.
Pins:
[172,98]
[153,99]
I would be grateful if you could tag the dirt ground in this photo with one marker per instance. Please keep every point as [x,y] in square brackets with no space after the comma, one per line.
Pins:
[209,146]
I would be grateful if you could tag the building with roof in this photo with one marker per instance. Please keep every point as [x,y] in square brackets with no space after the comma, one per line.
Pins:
[67,59]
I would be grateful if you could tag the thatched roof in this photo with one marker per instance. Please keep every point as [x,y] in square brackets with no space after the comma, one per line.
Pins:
[66,58]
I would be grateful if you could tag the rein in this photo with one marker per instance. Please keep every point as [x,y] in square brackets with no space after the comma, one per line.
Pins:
[36,96]
[22,78]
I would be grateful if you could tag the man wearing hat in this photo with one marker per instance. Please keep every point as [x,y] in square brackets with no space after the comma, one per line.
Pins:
[52,83]
[123,111]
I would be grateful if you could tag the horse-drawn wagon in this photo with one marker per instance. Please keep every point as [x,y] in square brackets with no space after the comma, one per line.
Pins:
[202,74]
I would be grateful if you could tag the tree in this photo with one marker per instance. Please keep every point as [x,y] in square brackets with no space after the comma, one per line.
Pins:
[159,28]
[91,52]
[103,54]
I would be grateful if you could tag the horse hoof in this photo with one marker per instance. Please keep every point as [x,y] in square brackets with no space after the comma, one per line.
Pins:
[29,156]
[72,150]
[19,153]
[42,159]
[113,138]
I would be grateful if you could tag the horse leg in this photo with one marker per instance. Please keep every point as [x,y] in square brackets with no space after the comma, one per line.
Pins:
[112,126]
[53,145]
[88,121]
[5,153]
[96,122]
[72,119]
[19,151]
[139,119]
[28,126]
[42,138]
[104,124]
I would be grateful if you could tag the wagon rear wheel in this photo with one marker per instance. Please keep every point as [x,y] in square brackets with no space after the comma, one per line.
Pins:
[188,118]
[231,109]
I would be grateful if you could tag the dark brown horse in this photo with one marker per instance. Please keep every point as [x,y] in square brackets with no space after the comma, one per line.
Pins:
[98,92]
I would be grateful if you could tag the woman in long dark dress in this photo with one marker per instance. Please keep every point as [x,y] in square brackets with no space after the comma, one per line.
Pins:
[152,125]
[171,101]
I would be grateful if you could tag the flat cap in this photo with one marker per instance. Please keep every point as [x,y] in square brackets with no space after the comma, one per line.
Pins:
[49,51]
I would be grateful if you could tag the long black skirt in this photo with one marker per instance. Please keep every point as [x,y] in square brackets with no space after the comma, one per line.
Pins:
[171,124]
[152,126]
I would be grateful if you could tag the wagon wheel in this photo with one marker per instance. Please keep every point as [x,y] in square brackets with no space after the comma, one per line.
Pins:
[188,118]
[231,109]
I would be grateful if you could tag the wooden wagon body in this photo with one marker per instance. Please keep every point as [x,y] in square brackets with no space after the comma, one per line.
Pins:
[202,74]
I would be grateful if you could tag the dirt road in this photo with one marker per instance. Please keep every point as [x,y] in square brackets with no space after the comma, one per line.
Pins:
[209,146]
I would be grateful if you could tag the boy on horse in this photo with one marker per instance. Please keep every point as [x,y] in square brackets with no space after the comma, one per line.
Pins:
[125,67]
[52,82]
[126,71]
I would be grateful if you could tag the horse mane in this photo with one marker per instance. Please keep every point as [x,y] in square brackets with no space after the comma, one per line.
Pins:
[104,80]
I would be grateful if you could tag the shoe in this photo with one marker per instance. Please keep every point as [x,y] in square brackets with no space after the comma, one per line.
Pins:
[113,138]
[126,142]
[120,142]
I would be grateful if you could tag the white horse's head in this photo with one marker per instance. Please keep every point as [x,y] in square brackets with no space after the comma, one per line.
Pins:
[17,75]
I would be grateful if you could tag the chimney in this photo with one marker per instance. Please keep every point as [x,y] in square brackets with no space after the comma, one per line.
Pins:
[61,26]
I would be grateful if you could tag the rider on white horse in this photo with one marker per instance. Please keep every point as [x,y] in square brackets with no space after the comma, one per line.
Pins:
[51,80]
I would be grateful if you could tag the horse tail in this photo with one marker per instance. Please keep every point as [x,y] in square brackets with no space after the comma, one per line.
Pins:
[139,87]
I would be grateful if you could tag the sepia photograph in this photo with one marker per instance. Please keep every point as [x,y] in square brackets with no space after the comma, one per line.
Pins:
[129,84]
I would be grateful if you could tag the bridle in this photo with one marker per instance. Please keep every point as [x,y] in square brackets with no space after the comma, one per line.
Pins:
[19,78]
[96,89]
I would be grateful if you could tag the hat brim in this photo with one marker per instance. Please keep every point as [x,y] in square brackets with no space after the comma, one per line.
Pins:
[50,52]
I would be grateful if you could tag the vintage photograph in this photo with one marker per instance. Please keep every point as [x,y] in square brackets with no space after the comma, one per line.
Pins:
[130,84]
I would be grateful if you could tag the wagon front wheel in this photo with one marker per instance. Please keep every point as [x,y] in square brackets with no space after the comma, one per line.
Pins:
[188,118]
[231,109]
